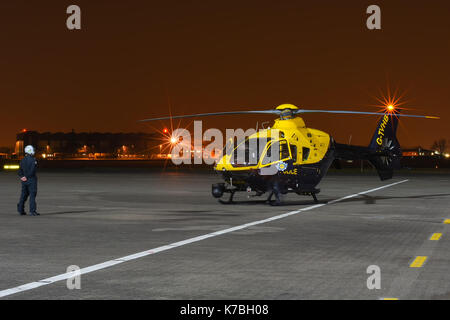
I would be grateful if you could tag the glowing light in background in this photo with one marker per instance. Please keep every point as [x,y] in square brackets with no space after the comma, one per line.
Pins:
[11,166]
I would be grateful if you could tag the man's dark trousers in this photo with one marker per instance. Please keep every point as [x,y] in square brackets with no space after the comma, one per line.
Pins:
[29,189]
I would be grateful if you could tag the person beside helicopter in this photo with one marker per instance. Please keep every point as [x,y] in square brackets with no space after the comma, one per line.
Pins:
[28,178]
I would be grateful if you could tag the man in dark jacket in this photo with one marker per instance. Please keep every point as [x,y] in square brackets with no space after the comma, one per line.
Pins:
[27,174]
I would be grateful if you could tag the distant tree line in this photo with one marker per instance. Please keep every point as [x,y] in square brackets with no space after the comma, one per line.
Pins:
[440,145]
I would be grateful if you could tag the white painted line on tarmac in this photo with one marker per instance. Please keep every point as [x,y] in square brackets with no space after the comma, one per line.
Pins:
[110,263]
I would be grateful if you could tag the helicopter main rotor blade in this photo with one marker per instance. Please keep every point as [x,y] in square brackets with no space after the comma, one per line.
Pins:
[362,112]
[214,114]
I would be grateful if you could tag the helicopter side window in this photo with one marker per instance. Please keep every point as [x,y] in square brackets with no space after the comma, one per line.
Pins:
[305,153]
[284,153]
[293,152]
[284,150]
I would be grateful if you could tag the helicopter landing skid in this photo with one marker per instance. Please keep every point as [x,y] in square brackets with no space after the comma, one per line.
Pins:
[230,199]
[312,193]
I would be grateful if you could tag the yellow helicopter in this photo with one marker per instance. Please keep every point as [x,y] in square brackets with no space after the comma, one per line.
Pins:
[290,157]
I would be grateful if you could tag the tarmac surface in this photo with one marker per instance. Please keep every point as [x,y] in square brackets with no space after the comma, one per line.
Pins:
[96,220]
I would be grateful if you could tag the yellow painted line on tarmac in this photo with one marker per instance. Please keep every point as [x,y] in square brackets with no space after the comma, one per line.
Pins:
[436,236]
[418,262]
[447,221]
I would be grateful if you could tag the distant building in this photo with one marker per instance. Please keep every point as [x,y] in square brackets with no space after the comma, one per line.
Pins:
[5,153]
[418,152]
[88,145]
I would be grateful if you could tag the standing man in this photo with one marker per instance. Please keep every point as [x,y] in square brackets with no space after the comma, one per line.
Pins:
[27,174]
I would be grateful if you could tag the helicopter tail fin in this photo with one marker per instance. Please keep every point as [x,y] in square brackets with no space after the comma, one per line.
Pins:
[385,152]
[385,132]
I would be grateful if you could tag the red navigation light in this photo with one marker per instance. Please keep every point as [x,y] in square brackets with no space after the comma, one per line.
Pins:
[165,130]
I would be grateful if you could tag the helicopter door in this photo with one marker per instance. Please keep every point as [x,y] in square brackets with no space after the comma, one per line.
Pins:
[293,152]
[284,153]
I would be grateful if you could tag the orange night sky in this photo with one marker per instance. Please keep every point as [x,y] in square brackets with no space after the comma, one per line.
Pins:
[132,58]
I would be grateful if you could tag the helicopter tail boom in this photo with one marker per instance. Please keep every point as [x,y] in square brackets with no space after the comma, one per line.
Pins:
[383,152]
